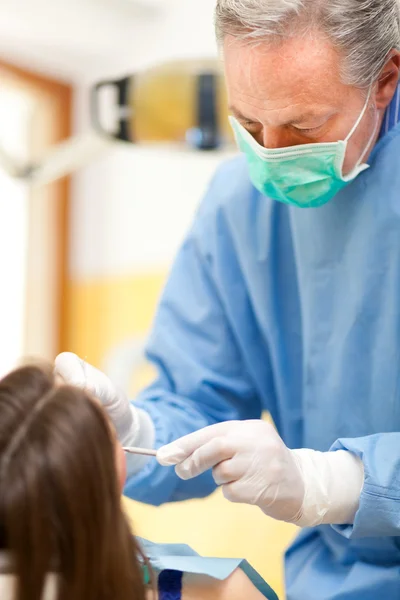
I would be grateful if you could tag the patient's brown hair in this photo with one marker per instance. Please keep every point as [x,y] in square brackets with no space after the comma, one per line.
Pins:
[60,506]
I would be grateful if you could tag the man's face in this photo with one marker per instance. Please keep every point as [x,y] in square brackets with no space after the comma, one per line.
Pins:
[291,93]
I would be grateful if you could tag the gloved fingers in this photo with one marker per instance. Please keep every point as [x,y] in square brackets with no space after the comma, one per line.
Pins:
[125,417]
[179,450]
[228,471]
[69,366]
[206,457]
[101,386]
[234,492]
[78,372]
[239,487]
[168,456]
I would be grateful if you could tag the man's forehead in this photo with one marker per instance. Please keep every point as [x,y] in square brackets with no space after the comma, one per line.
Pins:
[296,71]
[314,51]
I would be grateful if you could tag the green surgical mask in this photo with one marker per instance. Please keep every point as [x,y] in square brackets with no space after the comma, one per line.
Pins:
[308,175]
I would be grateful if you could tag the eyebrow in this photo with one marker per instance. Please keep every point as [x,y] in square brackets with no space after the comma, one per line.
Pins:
[239,115]
[300,119]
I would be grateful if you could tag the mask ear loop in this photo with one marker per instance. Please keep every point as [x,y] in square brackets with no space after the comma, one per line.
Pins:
[356,124]
[360,160]
[371,139]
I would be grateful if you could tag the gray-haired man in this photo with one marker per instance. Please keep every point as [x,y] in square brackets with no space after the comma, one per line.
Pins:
[286,297]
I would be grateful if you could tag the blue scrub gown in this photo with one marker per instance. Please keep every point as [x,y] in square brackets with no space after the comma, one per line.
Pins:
[297,312]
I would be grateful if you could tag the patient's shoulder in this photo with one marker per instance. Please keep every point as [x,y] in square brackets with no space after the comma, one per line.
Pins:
[236,586]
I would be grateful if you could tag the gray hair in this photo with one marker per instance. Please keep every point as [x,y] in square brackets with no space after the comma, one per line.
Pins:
[364,31]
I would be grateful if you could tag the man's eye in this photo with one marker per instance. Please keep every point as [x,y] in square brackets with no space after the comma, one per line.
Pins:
[308,129]
[250,124]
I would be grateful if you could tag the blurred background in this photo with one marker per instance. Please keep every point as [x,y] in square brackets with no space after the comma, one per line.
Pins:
[84,257]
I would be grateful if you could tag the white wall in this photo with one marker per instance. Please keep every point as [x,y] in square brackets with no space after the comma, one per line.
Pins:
[15,112]
[132,207]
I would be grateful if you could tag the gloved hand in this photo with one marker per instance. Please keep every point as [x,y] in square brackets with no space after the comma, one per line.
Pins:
[253,465]
[134,427]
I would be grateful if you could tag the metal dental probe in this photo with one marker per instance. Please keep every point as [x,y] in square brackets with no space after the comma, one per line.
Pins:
[143,451]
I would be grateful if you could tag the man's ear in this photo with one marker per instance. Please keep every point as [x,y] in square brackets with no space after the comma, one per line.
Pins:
[388,81]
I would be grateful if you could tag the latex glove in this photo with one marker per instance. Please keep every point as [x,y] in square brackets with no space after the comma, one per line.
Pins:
[134,427]
[253,465]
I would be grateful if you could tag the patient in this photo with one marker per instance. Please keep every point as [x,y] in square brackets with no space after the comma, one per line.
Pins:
[63,533]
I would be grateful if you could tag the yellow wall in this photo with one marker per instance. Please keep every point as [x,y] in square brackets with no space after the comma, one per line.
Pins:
[103,314]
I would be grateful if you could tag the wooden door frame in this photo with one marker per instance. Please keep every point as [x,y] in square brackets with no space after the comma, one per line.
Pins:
[62,96]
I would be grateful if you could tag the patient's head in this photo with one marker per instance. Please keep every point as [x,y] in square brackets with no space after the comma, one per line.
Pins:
[60,490]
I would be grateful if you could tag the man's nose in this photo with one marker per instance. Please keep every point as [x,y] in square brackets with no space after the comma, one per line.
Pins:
[274,137]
